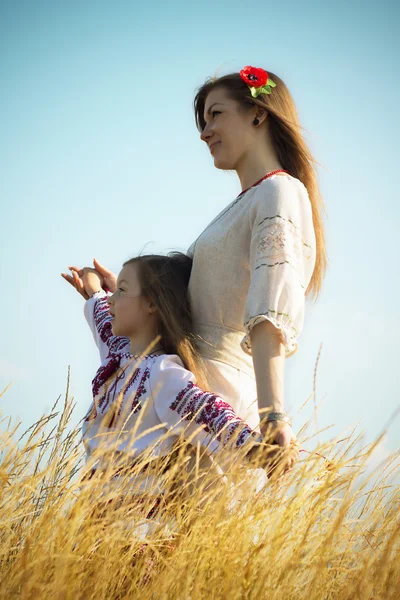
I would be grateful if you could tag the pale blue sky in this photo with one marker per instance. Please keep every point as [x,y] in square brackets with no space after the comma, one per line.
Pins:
[100,157]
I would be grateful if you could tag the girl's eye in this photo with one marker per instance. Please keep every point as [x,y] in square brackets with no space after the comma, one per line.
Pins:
[215,112]
[121,290]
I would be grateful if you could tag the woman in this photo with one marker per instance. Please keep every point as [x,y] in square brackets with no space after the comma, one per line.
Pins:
[264,253]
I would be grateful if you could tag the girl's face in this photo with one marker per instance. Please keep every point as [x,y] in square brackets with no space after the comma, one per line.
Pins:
[229,130]
[131,311]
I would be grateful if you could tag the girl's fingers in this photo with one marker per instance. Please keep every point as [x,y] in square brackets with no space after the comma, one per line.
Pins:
[77,270]
[71,281]
[79,285]
[68,278]
[78,280]
[101,268]
[76,283]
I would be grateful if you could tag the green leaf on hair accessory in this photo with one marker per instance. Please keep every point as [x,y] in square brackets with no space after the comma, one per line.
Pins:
[271,83]
[266,89]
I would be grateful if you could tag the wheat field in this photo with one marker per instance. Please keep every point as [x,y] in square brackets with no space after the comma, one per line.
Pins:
[329,529]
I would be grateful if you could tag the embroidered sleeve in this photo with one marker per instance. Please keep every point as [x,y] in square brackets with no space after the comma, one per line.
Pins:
[98,316]
[200,416]
[282,258]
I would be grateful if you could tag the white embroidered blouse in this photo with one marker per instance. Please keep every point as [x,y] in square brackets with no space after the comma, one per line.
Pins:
[156,399]
[252,263]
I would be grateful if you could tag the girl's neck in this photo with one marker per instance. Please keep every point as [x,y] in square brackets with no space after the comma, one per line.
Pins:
[145,344]
[255,165]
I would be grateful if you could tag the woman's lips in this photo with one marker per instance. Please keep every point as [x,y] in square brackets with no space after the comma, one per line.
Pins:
[212,146]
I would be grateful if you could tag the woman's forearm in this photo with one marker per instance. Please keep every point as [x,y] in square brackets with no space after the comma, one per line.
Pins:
[269,366]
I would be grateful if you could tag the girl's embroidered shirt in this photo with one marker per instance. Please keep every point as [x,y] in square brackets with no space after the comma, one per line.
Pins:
[147,404]
[253,263]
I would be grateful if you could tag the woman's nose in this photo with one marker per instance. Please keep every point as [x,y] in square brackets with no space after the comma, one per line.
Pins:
[206,134]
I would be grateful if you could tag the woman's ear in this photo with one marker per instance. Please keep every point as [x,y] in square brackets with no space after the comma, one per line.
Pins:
[260,116]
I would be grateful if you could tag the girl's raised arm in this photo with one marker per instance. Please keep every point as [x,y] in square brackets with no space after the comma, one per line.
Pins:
[97,314]
[89,283]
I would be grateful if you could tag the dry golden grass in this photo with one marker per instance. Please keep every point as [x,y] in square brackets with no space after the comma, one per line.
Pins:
[325,531]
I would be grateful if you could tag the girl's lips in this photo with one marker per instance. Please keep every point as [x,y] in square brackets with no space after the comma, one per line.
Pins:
[212,146]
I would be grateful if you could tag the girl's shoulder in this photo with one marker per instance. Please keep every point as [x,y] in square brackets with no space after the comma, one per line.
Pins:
[168,375]
[148,363]
[164,362]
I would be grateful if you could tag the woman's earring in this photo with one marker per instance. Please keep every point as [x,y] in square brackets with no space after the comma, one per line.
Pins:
[256,122]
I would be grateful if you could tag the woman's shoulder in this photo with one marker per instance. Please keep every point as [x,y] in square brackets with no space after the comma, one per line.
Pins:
[280,185]
[281,192]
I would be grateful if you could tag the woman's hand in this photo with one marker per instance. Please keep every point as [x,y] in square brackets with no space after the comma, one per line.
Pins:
[287,446]
[86,281]
[268,352]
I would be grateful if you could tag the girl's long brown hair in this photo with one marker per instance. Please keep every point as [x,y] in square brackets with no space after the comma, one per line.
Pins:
[290,146]
[165,280]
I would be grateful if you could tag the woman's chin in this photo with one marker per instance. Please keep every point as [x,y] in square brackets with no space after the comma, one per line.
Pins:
[224,165]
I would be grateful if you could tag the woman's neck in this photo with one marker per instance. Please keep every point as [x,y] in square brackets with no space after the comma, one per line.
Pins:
[255,165]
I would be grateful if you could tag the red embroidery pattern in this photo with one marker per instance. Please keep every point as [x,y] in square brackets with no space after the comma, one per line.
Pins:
[132,379]
[104,372]
[211,411]
[140,391]
[118,344]
[110,394]
[102,320]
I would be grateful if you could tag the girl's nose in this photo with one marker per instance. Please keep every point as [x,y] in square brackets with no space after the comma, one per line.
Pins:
[110,299]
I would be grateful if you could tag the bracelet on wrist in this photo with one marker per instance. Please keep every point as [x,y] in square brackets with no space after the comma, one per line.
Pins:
[278,416]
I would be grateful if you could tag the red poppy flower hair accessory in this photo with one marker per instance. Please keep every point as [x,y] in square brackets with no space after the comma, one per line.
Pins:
[258,81]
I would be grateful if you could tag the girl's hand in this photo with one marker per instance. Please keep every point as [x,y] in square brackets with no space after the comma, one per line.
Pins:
[92,280]
[109,278]
[287,450]
[76,282]
[86,281]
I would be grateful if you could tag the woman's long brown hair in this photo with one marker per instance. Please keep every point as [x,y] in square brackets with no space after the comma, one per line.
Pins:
[290,146]
[165,280]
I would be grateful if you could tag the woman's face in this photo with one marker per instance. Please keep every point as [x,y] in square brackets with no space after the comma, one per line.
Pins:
[229,130]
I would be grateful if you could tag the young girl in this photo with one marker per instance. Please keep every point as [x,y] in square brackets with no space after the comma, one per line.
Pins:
[144,401]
